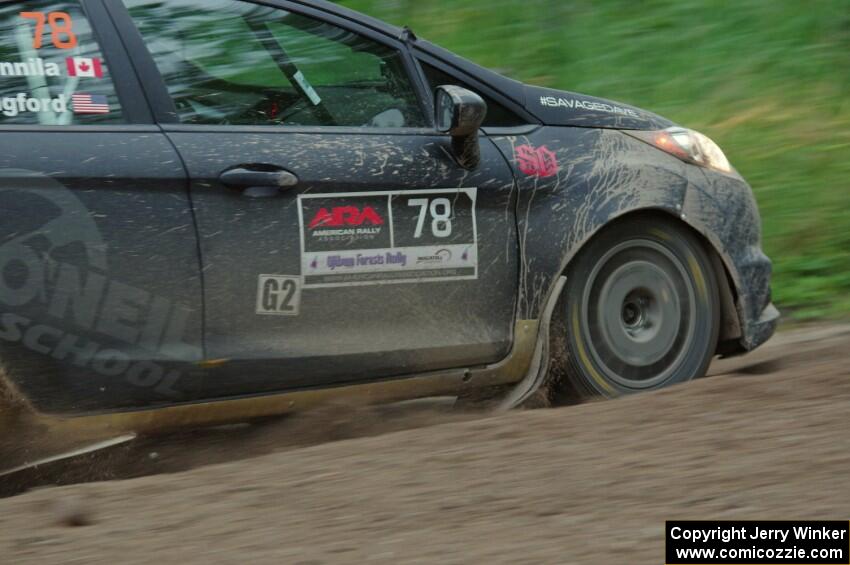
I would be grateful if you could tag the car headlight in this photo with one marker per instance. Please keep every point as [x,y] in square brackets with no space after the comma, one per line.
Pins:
[688,145]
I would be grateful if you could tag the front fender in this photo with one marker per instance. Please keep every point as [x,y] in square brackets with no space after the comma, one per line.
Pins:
[574,181]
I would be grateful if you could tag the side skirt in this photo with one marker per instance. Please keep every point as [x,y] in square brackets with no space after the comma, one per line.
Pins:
[511,370]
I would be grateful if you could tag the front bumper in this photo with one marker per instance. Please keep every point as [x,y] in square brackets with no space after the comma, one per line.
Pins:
[759,331]
[723,208]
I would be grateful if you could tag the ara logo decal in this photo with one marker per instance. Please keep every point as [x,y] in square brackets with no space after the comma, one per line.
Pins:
[538,162]
[342,216]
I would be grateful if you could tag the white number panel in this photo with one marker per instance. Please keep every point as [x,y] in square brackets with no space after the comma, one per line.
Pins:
[370,238]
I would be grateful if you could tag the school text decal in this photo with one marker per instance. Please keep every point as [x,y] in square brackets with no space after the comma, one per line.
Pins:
[369,238]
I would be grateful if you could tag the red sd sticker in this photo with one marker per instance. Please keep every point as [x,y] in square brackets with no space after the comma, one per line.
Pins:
[538,162]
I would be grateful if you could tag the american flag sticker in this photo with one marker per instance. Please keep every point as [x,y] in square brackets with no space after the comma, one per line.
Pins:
[89,104]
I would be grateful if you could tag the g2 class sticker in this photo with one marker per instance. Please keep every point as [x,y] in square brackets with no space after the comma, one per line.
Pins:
[370,238]
[278,295]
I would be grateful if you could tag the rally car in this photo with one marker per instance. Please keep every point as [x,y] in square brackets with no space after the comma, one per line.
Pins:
[215,210]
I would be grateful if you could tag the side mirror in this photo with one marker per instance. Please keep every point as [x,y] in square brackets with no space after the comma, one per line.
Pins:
[460,113]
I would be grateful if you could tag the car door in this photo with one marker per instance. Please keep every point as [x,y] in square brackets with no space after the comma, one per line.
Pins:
[340,239]
[100,289]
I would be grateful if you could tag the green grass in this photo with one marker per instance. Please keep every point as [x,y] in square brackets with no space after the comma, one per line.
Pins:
[769,80]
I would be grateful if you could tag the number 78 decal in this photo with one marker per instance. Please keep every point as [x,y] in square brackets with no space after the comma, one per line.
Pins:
[61,29]
[441,216]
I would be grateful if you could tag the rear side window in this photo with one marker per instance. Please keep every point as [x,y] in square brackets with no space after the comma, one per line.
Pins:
[232,62]
[52,71]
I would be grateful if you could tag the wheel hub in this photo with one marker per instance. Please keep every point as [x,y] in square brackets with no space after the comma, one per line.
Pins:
[635,313]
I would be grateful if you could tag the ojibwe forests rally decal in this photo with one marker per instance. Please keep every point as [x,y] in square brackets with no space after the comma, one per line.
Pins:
[369,238]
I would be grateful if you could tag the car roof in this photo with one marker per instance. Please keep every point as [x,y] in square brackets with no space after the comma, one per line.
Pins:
[352,15]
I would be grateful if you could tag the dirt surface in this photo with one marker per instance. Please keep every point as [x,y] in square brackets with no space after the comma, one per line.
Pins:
[766,437]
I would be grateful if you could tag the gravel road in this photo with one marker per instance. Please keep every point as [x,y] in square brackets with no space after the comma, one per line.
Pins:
[765,437]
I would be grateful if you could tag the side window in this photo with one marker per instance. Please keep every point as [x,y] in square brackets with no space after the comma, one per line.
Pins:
[51,69]
[497,115]
[234,62]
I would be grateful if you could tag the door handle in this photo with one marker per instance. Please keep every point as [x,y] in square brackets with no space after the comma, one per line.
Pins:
[258,182]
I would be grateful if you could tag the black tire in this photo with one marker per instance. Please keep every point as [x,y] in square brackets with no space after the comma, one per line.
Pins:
[640,311]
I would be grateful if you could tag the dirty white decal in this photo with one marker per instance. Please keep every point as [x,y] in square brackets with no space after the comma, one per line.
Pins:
[307,88]
[553,102]
[278,295]
[369,238]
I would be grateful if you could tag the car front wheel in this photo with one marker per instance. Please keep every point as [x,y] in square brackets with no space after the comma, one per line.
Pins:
[640,310]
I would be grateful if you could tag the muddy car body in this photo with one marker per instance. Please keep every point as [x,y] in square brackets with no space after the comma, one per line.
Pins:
[184,246]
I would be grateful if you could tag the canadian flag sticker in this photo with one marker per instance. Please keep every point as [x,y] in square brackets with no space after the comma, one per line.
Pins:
[84,67]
